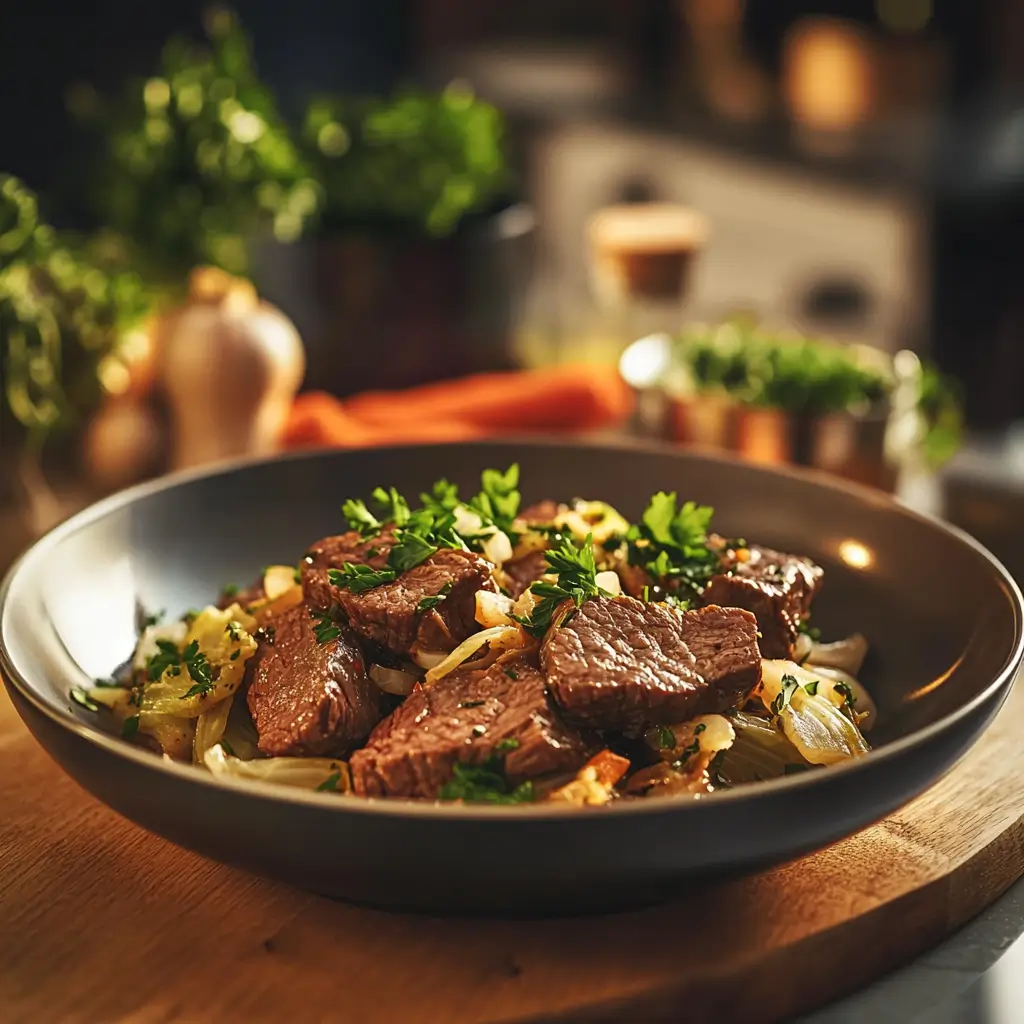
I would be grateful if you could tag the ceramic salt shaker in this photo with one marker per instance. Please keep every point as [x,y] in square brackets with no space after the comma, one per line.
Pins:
[230,367]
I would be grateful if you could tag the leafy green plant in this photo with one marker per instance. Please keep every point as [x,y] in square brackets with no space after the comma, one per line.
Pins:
[197,159]
[62,311]
[416,161]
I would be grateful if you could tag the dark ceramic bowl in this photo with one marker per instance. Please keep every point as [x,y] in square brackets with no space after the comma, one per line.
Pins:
[943,618]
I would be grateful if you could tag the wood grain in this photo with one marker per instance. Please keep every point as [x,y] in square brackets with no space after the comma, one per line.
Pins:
[100,921]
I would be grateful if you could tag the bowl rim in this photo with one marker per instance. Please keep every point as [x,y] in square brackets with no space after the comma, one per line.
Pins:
[404,807]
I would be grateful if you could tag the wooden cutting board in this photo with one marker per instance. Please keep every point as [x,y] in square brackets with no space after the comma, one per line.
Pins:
[100,921]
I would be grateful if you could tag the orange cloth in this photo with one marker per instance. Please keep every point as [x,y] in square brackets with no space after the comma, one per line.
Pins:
[557,400]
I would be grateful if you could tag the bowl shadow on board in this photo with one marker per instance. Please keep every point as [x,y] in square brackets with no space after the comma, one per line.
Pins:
[943,619]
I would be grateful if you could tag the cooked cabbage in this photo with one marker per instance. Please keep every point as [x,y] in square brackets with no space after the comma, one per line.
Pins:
[500,637]
[807,710]
[760,751]
[210,726]
[847,655]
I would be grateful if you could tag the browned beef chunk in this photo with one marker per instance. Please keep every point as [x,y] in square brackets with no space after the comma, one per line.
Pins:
[778,588]
[389,614]
[541,513]
[308,697]
[622,664]
[333,553]
[464,719]
[524,570]
[243,596]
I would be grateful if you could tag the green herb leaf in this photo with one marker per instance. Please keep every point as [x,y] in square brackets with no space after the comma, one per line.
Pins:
[167,656]
[82,698]
[577,582]
[497,504]
[511,673]
[442,499]
[153,620]
[509,743]
[227,748]
[360,518]
[671,543]
[812,687]
[781,702]
[434,600]
[484,783]
[666,738]
[394,508]
[330,784]
[358,578]
[130,727]
[229,590]
[325,629]
[199,670]
[849,699]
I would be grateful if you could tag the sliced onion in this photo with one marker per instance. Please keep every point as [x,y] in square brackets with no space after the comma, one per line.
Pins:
[393,680]
[867,713]
[429,659]
[467,522]
[277,579]
[609,581]
[847,655]
[497,548]
[304,772]
[494,609]
[497,636]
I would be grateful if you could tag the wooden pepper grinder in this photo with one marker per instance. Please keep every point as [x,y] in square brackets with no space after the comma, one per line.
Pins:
[230,366]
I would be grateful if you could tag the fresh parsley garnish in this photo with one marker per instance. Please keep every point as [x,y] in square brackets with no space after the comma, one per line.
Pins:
[360,518]
[82,699]
[325,629]
[671,542]
[435,599]
[484,784]
[497,504]
[167,656]
[153,620]
[199,669]
[509,743]
[394,508]
[666,738]
[812,687]
[358,578]
[512,673]
[785,695]
[442,499]
[843,689]
[808,630]
[229,590]
[577,582]
[130,727]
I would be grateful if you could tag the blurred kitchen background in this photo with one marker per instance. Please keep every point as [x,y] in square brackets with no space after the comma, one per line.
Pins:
[415,185]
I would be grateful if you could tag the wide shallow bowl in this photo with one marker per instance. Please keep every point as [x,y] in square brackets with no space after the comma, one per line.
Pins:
[943,618]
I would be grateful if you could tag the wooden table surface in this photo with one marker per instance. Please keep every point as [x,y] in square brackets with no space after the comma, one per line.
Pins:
[101,921]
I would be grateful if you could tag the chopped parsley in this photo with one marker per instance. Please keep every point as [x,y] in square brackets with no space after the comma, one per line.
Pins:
[666,738]
[442,499]
[843,689]
[671,542]
[577,582]
[108,684]
[325,629]
[130,727]
[808,630]
[82,699]
[330,784]
[692,748]
[434,600]
[393,506]
[511,673]
[358,578]
[229,590]
[153,620]
[509,743]
[781,702]
[497,504]
[472,703]
[199,669]
[812,686]
[167,656]
[484,784]
[360,518]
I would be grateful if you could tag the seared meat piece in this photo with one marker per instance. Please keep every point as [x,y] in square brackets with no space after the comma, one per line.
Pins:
[389,614]
[333,553]
[778,588]
[621,664]
[524,570]
[541,513]
[463,719]
[308,697]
